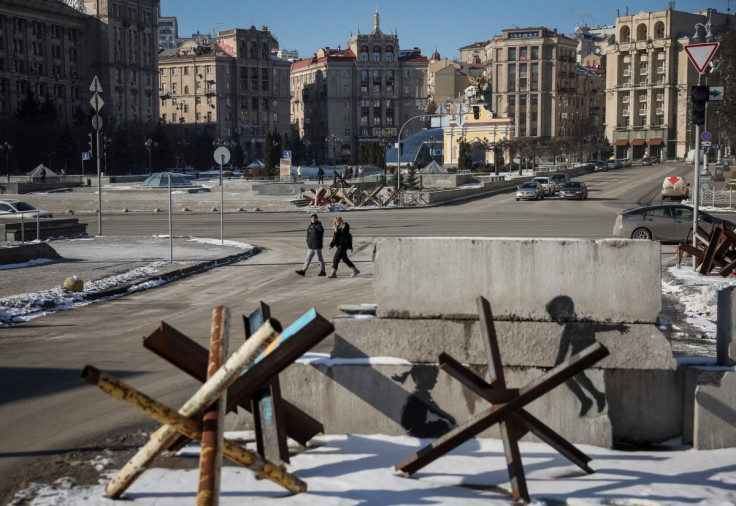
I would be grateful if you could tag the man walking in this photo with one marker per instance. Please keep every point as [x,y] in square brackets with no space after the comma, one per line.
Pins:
[315,233]
[320,175]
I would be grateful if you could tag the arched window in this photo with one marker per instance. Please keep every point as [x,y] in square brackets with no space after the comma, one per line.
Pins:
[659,30]
[625,35]
[186,90]
[252,50]
[376,53]
[389,56]
[364,54]
[264,51]
[641,32]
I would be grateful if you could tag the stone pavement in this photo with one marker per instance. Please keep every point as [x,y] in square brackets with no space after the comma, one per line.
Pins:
[99,257]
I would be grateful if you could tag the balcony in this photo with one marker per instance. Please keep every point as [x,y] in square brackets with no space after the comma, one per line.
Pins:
[660,111]
[642,111]
[625,99]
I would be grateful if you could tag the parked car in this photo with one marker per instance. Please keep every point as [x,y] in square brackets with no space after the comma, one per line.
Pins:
[600,166]
[574,190]
[646,161]
[675,187]
[548,185]
[560,179]
[531,190]
[664,222]
[612,164]
[624,162]
[18,208]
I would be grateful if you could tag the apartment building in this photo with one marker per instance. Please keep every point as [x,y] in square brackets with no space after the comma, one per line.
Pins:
[231,87]
[361,94]
[649,78]
[43,49]
[537,84]
[124,41]
[448,79]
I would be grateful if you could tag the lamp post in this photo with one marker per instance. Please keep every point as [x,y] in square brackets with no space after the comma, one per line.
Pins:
[334,140]
[6,148]
[150,144]
[385,141]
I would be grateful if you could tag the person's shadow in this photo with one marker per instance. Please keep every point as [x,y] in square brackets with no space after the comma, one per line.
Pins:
[576,336]
[421,416]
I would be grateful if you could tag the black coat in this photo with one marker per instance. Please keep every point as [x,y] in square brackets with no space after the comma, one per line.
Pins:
[315,233]
[342,238]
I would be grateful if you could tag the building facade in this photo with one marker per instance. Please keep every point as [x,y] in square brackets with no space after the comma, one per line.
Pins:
[124,36]
[447,79]
[44,49]
[233,88]
[649,79]
[537,84]
[365,93]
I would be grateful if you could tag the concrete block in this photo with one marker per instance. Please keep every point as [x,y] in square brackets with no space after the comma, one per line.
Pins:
[615,280]
[726,327]
[420,400]
[535,344]
[710,408]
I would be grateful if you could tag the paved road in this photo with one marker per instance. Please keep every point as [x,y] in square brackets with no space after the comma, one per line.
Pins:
[45,408]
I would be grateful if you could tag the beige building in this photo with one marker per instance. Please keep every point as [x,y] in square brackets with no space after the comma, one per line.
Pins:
[648,82]
[448,79]
[537,85]
[230,87]
[361,94]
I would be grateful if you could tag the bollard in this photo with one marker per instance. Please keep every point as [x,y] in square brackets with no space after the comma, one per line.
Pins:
[206,395]
[726,327]
[190,428]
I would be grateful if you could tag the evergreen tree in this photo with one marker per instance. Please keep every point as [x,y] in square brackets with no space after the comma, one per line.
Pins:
[410,181]
[66,147]
[268,154]
[47,110]
[28,108]
[285,144]
[465,156]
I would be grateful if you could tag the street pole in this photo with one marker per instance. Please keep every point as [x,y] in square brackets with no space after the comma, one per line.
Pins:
[99,187]
[222,202]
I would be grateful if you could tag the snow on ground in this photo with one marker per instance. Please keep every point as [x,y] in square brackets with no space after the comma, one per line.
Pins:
[359,469]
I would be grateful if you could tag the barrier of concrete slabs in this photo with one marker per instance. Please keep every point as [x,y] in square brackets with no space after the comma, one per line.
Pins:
[608,280]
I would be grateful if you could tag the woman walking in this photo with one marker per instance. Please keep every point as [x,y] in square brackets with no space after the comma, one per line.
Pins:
[343,241]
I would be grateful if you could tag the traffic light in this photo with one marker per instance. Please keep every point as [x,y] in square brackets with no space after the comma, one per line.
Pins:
[699,96]
[476,112]
[91,143]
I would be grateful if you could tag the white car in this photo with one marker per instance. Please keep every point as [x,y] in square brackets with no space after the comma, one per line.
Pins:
[549,186]
[18,208]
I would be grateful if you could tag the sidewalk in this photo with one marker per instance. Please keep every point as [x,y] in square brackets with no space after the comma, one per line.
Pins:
[109,266]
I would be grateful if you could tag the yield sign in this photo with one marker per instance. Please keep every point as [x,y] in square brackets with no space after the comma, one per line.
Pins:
[700,54]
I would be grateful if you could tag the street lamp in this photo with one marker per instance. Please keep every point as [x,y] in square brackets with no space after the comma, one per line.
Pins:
[150,144]
[334,140]
[385,141]
[398,148]
[6,148]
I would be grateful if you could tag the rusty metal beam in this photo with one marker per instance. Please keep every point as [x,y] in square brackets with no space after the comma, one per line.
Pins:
[249,352]
[187,355]
[497,413]
[187,426]
[210,457]
[490,342]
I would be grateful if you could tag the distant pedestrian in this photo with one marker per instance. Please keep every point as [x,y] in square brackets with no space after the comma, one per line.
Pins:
[320,175]
[360,172]
[299,172]
[43,175]
[315,233]
[343,241]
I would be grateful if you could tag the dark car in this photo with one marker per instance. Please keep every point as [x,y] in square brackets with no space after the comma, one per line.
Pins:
[574,190]
[646,161]
[665,222]
[560,179]
[600,166]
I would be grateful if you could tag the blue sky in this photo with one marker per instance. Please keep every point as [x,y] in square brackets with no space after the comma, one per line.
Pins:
[429,24]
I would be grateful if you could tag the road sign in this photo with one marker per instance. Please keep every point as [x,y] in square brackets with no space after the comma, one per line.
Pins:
[700,54]
[287,154]
[705,135]
[222,155]
[705,144]
[96,87]
[86,155]
[97,122]
[715,93]
[96,102]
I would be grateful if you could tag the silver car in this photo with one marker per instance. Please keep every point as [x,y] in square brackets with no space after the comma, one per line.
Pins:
[531,190]
[18,208]
[666,222]
[548,185]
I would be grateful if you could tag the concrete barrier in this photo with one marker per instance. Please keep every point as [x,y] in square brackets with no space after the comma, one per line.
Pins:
[47,227]
[25,252]
[710,409]
[610,280]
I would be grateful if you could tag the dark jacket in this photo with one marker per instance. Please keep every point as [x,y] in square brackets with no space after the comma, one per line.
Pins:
[342,238]
[315,233]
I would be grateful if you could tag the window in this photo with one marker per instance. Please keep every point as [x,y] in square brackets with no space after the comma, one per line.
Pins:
[512,53]
[535,53]
[407,74]
[163,72]
[389,57]
[535,100]
[174,71]
[376,57]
